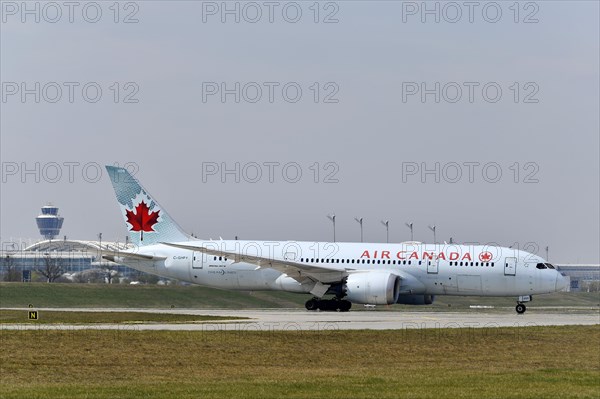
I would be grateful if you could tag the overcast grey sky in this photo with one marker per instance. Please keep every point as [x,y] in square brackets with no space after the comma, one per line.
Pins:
[517,92]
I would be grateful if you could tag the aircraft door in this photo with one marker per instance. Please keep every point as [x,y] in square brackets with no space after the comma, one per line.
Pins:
[197,260]
[510,266]
[432,266]
[290,255]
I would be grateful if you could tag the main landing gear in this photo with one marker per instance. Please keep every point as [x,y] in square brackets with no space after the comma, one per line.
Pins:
[333,305]
[521,308]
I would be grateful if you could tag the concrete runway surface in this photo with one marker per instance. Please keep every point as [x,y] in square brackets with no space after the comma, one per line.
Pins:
[302,320]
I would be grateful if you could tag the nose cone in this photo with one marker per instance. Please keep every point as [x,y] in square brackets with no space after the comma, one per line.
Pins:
[561,282]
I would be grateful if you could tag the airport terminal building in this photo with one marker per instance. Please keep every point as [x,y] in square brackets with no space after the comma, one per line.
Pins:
[70,258]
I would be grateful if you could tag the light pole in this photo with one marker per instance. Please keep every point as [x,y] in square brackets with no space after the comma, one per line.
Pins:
[100,245]
[386,223]
[547,258]
[432,228]
[410,226]
[332,218]
[360,221]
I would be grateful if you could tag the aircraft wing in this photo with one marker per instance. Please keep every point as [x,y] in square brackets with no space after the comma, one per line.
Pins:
[298,271]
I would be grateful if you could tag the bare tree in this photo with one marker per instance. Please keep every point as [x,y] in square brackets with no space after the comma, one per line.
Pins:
[11,273]
[591,286]
[52,268]
[110,270]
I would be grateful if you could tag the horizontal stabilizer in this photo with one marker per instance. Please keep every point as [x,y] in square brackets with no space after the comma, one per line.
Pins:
[112,255]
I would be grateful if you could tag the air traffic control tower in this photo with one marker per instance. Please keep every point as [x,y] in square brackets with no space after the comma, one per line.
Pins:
[49,222]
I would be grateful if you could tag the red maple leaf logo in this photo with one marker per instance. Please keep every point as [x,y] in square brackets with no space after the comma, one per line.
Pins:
[485,256]
[142,219]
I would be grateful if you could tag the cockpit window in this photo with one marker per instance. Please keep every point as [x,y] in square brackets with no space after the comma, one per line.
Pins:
[541,266]
[550,266]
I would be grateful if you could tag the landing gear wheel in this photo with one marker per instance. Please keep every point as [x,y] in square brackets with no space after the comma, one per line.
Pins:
[345,306]
[331,305]
[312,304]
[521,308]
[326,304]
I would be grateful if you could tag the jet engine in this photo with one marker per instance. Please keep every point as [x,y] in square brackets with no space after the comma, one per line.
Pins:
[415,299]
[373,287]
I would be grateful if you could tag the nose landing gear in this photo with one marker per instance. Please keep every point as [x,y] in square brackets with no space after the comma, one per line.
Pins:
[521,308]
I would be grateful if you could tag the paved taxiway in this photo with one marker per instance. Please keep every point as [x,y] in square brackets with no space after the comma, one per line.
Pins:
[302,320]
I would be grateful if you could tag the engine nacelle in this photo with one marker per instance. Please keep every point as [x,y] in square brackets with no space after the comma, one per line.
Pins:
[415,299]
[373,288]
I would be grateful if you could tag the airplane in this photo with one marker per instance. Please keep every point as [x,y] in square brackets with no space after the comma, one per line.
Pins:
[336,274]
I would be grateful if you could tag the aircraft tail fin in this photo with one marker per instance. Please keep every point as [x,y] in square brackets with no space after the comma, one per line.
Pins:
[147,222]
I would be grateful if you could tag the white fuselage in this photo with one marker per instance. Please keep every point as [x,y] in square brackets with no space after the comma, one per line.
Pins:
[440,269]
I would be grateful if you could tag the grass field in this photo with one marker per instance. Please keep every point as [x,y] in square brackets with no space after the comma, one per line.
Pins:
[58,317]
[139,296]
[533,362]
[153,296]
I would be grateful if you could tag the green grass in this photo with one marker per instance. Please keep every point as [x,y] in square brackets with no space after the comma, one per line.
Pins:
[532,362]
[58,317]
[45,295]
